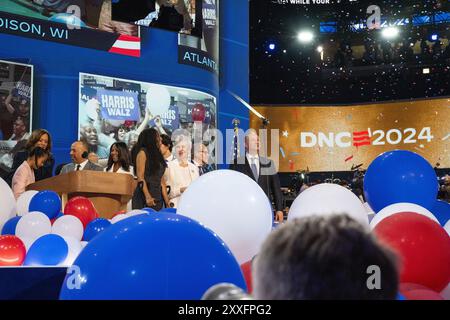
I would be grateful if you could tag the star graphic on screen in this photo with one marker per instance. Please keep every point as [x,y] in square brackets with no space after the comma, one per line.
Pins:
[285,133]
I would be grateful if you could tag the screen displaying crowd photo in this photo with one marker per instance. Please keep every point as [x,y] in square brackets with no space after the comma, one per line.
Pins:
[113,109]
[85,23]
[16,106]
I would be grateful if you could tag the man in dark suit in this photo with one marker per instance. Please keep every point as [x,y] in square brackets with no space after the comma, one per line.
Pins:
[79,154]
[262,170]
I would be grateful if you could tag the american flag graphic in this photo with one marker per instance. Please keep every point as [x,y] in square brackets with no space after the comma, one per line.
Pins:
[127,45]
[361,138]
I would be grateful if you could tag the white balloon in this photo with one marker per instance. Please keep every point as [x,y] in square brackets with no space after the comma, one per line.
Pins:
[233,206]
[400,207]
[135,212]
[118,218]
[68,226]
[33,225]
[327,199]
[446,292]
[23,202]
[447,227]
[27,242]
[75,248]
[92,108]
[7,203]
[158,99]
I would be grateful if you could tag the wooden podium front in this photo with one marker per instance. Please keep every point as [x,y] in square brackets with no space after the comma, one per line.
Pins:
[109,192]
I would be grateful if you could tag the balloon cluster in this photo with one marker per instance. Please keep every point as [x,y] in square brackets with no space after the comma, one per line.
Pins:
[401,187]
[34,231]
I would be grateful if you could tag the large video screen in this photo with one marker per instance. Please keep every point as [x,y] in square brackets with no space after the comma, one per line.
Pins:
[335,51]
[197,22]
[16,109]
[114,109]
[85,23]
[339,138]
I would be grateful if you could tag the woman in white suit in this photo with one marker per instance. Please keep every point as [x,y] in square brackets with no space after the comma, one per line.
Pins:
[119,162]
[119,159]
[180,172]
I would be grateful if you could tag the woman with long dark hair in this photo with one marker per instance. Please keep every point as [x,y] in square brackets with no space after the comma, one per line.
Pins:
[119,159]
[39,138]
[150,167]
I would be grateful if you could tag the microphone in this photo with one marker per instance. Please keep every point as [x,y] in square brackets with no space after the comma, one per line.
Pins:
[226,291]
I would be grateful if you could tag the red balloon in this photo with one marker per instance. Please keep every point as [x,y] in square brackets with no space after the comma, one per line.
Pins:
[247,272]
[82,208]
[404,287]
[12,251]
[422,294]
[199,112]
[423,247]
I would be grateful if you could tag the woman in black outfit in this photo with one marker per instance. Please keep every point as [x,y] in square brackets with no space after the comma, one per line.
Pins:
[39,138]
[149,168]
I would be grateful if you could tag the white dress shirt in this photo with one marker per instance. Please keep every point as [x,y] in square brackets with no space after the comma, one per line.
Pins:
[82,165]
[120,170]
[253,159]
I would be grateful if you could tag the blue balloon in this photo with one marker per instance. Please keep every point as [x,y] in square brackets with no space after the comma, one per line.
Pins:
[59,215]
[10,226]
[441,210]
[47,202]
[400,176]
[152,257]
[169,210]
[67,19]
[95,227]
[149,210]
[48,250]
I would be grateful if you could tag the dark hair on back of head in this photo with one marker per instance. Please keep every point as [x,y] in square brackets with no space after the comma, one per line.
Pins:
[148,142]
[37,153]
[327,258]
[167,141]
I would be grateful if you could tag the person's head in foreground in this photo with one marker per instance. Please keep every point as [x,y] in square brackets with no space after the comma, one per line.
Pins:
[318,257]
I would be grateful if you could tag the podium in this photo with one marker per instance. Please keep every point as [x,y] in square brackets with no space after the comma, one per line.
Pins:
[109,192]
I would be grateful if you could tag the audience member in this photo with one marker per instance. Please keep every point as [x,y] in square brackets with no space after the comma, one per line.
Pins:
[324,258]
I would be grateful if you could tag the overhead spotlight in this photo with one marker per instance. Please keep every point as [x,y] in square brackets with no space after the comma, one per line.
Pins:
[426,70]
[305,36]
[272,46]
[320,49]
[390,32]
[434,37]
[284,51]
